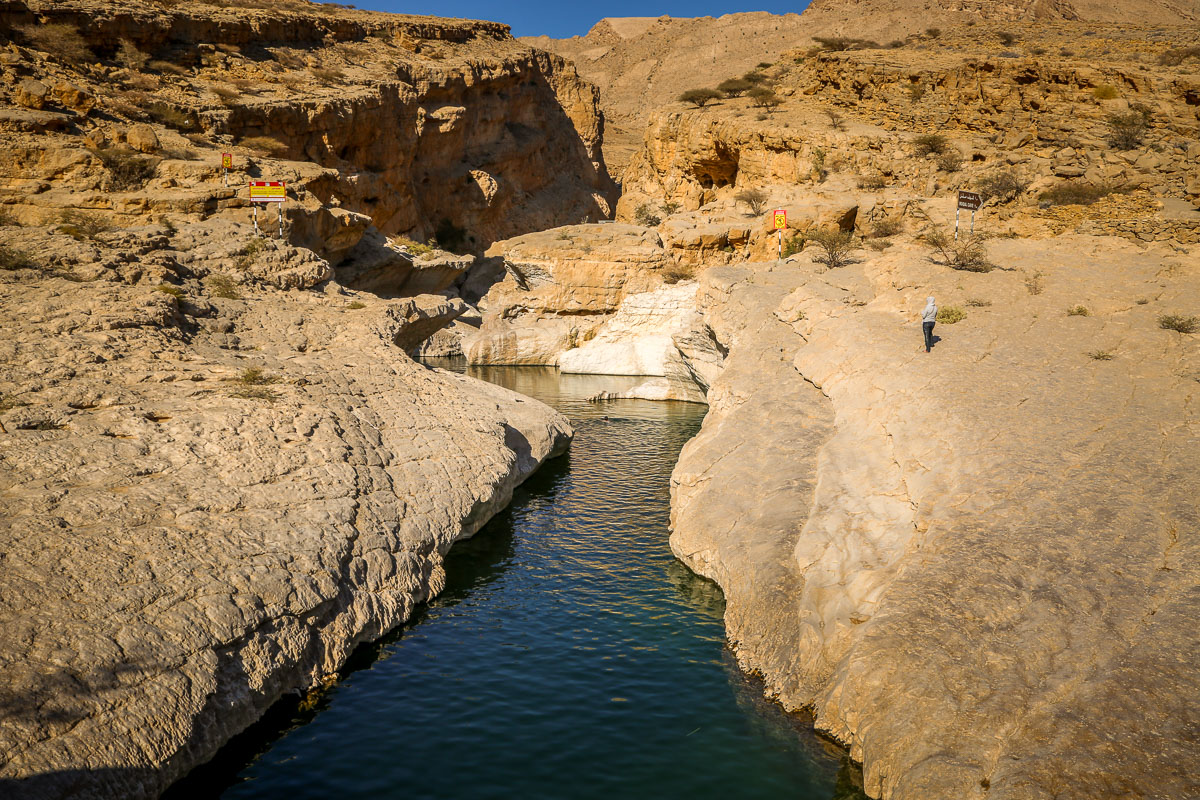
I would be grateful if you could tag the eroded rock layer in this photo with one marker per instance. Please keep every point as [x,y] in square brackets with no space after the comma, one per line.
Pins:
[212,492]
[976,565]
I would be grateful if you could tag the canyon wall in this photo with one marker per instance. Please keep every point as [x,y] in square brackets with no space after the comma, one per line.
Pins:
[427,127]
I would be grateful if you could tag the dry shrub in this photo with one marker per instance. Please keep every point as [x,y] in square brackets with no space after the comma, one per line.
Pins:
[129,56]
[228,95]
[948,315]
[1078,311]
[144,83]
[950,161]
[83,225]
[1077,194]
[1177,55]
[676,273]
[967,253]
[13,259]
[646,216]
[59,40]
[328,75]
[1034,282]
[888,226]
[762,97]
[753,199]
[1127,130]
[127,169]
[1181,323]
[834,247]
[700,97]
[875,181]
[265,145]
[222,286]
[1105,91]
[928,144]
[173,116]
[1003,185]
[166,68]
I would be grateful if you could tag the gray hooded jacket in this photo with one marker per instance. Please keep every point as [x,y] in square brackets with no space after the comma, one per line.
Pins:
[930,312]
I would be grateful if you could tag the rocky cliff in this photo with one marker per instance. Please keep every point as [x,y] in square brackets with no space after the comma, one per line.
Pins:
[425,127]
[972,563]
[218,479]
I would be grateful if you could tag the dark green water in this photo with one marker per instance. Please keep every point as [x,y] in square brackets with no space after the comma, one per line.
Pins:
[570,655]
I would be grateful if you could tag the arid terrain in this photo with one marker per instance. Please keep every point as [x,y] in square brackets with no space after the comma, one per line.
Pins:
[222,470]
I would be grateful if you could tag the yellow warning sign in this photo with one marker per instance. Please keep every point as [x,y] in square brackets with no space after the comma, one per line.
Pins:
[780,219]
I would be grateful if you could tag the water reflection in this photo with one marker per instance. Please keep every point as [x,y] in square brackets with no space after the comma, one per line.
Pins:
[569,655]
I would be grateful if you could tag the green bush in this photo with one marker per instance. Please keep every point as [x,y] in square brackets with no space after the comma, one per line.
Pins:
[948,315]
[735,87]
[411,245]
[762,97]
[700,97]
[793,245]
[1179,322]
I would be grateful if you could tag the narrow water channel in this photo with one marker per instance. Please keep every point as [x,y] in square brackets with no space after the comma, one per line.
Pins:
[570,655]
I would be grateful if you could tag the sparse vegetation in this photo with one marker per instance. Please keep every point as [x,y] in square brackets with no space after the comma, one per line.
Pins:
[1034,282]
[256,376]
[793,245]
[227,94]
[762,97]
[753,199]
[173,117]
[700,97]
[265,145]
[875,181]
[1078,311]
[967,253]
[646,216]
[888,226]
[933,33]
[1102,355]
[1078,194]
[12,259]
[83,225]
[976,302]
[836,121]
[754,77]
[412,246]
[670,207]
[735,87]
[173,291]
[930,144]
[1006,38]
[249,253]
[222,286]
[834,247]
[1177,55]
[1105,91]
[328,74]
[1002,185]
[839,43]
[59,40]
[255,393]
[916,91]
[127,169]
[950,161]
[356,304]
[675,273]
[948,315]
[818,164]
[1179,322]
[167,68]
[1127,129]
[130,57]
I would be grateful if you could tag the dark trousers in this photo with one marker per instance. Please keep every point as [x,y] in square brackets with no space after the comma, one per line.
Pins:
[928,328]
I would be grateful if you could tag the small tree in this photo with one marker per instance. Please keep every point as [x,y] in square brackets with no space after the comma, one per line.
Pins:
[699,97]
[1127,130]
[836,121]
[967,253]
[753,199]
[834,247]
[762,97]
[930,144]
[735,87]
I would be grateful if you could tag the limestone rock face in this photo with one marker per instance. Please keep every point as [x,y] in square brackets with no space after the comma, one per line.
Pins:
[560,285]
[973,564]
[378,266]
[418,124]
[211,493]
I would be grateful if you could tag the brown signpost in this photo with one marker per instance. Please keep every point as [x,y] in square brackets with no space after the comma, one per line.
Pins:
[971,201]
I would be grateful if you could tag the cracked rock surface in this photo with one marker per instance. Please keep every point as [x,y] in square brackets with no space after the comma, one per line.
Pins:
[979,565]
[207,501]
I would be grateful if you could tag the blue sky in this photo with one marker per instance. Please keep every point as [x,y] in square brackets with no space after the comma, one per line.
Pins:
[570,18]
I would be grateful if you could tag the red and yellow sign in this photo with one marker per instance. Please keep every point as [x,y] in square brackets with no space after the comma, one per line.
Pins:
[268,191]
[780,217]
[227,160]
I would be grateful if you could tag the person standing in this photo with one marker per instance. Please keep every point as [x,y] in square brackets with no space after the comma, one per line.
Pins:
[928,319]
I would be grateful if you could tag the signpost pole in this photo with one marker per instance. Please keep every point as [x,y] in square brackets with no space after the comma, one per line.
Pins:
[256,219]
[972,223]
[781,244]
[281,220]
[956,213]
